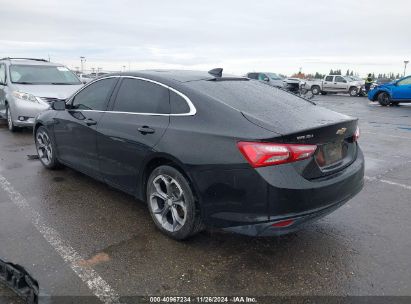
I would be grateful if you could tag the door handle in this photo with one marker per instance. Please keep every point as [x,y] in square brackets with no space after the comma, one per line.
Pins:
[91,122]
[145,130]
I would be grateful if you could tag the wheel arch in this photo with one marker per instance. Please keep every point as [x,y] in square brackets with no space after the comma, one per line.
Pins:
[36,126]
[160,159]
[382,91]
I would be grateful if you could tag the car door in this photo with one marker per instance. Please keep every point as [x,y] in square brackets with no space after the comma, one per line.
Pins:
[76,127]
[328,84]
[3,86]
[137,120]
[340,84]
[402,89]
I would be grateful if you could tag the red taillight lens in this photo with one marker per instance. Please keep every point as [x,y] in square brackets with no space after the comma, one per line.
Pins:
[284,223]
[260,154]
[356,135]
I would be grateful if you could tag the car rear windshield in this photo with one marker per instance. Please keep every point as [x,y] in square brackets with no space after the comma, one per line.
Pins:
[42,74]
[251,97]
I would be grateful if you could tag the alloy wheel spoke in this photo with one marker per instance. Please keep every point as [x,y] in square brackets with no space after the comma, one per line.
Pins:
[160,192]
[176,216]
[159,195]
[164,213]
[180,203]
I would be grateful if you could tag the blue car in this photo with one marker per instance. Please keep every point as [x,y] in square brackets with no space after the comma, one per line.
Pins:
[392,93]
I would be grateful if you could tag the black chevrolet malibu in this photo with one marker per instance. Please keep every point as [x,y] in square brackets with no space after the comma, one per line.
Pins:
[205,150]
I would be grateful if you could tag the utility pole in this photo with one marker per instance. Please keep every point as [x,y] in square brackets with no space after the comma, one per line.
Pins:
[405,66]
[82,60]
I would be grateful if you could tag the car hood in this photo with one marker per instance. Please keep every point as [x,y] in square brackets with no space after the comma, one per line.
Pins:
[385,85]
[292,80]
[49,91]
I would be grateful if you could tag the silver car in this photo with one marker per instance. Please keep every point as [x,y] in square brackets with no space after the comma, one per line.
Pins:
[28,86]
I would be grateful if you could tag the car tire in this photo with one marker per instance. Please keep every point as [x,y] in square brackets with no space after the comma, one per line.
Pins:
[46,149]
[10,124]
[323,93]
[353,91]
[172,203]
[316,90]
[395,104]
[384,99]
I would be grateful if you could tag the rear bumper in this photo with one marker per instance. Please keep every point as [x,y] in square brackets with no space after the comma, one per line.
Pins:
[298,221]
[250,200]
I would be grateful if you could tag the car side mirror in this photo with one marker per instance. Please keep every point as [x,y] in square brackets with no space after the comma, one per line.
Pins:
[59,105]
[266,79]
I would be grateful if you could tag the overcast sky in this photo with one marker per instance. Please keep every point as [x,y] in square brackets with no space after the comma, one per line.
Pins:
[240,36]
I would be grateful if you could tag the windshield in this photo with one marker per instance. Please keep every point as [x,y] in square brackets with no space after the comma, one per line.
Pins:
[354,78]
[42,74]
[274,76]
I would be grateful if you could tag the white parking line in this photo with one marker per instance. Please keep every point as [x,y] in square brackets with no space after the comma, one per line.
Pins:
[388,182]
[100,288]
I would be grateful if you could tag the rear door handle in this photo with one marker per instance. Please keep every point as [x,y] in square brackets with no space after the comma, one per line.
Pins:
[145,130]
[91,122]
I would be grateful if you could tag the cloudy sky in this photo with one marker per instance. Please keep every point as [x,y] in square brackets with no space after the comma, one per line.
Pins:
[279,36]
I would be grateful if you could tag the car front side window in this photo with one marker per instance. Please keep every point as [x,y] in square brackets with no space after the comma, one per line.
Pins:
[95,96]
[406,81]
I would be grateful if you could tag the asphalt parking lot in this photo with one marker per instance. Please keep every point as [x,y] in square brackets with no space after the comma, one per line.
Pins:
[77,236]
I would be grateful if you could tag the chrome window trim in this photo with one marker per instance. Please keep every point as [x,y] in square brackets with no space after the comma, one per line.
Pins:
[191,112]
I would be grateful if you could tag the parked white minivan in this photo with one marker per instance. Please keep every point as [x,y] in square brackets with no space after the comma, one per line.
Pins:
[28,86]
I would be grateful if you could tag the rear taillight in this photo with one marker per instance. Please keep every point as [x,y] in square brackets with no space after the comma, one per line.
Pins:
[356,135]
[260,154]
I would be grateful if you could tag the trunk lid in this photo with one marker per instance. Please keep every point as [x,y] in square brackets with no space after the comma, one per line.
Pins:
[330,131]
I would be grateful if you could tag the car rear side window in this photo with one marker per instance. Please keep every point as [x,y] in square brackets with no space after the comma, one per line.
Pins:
[95,96]
[140,96]
[178,104]
[329,78]
[2,74]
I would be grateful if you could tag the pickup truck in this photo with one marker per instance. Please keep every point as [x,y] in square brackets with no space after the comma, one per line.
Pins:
[335,84]
[275,80]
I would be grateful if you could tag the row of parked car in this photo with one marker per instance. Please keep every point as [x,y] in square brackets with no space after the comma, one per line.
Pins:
[385,92]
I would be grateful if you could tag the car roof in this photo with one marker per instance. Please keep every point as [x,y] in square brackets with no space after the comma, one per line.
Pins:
[29,61]
[170,75]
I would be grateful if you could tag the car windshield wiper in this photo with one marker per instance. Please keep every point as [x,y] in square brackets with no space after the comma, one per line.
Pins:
[23,82]
[63,83]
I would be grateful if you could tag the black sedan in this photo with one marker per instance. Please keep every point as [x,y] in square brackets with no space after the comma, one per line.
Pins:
[205,150]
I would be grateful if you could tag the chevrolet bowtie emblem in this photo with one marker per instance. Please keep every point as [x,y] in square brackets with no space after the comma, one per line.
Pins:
[341,131]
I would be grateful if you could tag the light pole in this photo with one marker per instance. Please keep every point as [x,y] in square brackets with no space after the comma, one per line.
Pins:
[405,65]
[82,60]
[98,71]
